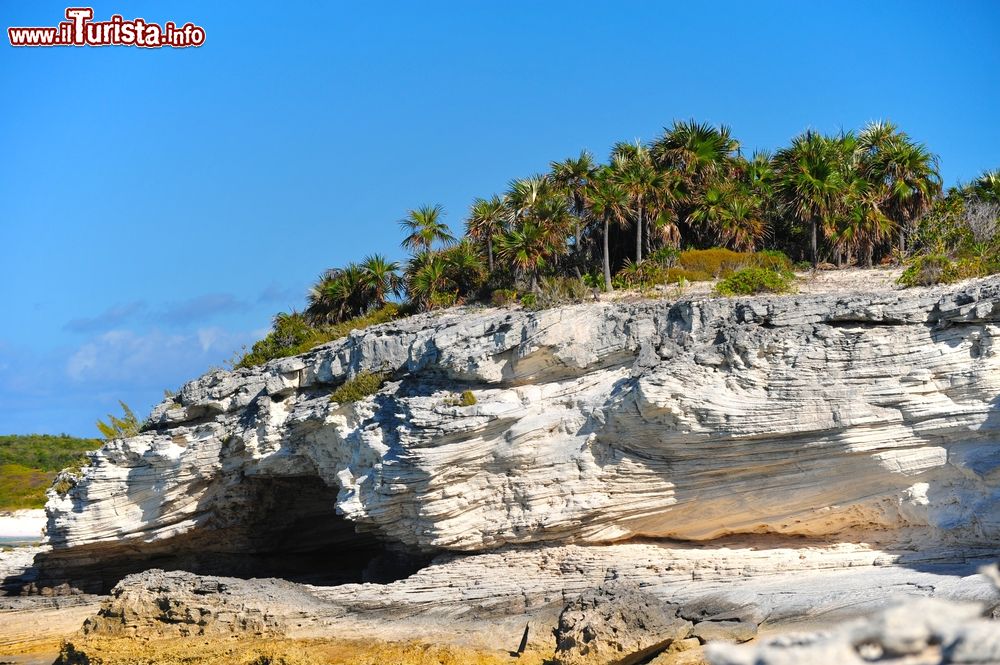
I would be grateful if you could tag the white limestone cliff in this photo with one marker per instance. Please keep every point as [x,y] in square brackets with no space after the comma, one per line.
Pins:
[863,418]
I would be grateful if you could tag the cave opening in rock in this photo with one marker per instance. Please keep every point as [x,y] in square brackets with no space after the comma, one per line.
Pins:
[283,527]
[292,531]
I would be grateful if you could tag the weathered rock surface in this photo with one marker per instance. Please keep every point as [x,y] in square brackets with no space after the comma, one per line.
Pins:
[616,624]
[485,600]
[868,416]
[925,632]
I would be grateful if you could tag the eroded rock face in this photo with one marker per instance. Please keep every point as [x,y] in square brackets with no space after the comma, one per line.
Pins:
[616,624]
[871,417]
[922,632]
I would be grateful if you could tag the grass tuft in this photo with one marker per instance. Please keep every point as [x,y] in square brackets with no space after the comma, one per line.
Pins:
[361,386]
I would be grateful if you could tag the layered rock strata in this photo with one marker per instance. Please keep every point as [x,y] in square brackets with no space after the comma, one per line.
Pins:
[869,417]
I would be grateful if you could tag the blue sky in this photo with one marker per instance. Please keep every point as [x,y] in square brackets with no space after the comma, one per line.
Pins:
[158,206]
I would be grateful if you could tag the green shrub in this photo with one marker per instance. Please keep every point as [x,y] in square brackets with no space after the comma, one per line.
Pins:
[640,275]
[119,428]
[361,386]
[750,281]
[291,334]
[553,291]
[930,269]
[665,256]
[442,299]
[676,275]
[593,280]
[529,300]
[772,259]
[716,262]
[468,398]
[503,297]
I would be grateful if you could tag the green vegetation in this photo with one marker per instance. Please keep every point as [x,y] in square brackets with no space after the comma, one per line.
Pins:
[852,198]
[361,386]
[296,333]
[29,463]
[468,398]
[119,428]
[959,237]
[750,281]
[22,487]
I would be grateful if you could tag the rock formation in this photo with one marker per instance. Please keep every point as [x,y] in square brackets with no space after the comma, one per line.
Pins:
[923,632]
[713,448]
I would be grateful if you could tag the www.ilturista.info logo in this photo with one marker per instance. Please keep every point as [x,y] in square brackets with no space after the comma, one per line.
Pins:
[81,30]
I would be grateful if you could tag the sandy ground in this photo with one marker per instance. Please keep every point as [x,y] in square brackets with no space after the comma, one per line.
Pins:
[22,525]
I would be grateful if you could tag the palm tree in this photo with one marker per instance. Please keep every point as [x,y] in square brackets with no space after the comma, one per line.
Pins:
[710,207]
[537,239]
[425,228]
[486,221]
[381,278]
[987,186]
[339,294]
[572,176]
[742,225]
[861,225]
[907,169]
[607,202]
[524,194]
[464,267]
[426,278]
[641,180]
[810,182]
[696,149]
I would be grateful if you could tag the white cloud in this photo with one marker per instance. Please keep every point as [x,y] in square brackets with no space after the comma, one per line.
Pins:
[126,357]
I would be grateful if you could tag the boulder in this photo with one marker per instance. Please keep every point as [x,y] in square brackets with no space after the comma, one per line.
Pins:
[616,624]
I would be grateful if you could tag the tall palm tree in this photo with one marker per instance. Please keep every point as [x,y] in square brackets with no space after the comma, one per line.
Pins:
[810,182]
[381,278]
[710,207]
[636,174]
[425,227]
[486,221]
[607,202]
[907,169]
[861,224]
[696,149]
[539,238]
[572,175]
[742,225]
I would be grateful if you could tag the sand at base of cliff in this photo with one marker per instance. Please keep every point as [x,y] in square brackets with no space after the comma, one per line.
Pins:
[192,650]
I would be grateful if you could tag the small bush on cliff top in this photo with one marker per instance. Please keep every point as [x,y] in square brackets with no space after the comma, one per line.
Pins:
[750,281]
[361,386]
[291,334]
[119,428]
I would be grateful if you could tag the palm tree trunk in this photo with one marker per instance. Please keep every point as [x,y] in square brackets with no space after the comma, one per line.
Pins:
[638,234]
[489,252]
[607,260]
[534,281]
[815,255]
